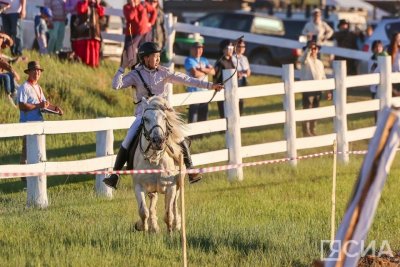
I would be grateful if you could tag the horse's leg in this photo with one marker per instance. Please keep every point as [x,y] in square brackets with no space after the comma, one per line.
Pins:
[153,225]
[177,222]
[169,202]
[142,224]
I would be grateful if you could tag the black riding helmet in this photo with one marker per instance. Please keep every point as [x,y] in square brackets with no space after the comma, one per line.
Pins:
[148,48]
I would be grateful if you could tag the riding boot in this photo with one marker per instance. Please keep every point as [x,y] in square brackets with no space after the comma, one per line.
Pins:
[193,177]
[122,157]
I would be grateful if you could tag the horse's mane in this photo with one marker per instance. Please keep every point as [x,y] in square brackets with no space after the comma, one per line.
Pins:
[174,118]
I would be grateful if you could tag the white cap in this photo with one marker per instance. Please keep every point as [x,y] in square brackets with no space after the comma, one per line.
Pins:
[316,10]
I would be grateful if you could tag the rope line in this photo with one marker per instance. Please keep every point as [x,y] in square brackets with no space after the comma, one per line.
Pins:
[199,170]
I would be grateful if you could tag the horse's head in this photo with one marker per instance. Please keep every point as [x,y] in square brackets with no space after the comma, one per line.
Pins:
[155,126]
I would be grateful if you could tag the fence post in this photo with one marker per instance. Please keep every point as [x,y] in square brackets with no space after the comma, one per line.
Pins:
[104,147]
[36,185]
[169,48]
[340,100]
[290,108]
[233,135]
[385,85]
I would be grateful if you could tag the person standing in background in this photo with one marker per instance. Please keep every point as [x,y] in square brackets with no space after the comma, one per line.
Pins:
[373,66]
[225,62]
[158,31]
[394,51]
[57,31]
[243,68]
[70,7]
[12,24]
[198,67]
[88,39]
[346,39]
[140,17]
[311,69]
[41,29]
[317,30]
[31,101]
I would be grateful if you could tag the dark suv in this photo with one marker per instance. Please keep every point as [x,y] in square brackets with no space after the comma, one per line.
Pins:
[257,23]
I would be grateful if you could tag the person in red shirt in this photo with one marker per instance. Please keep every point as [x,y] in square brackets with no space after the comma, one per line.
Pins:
[140,18]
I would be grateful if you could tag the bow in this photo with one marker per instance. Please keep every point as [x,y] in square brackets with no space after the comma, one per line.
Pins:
[236,67]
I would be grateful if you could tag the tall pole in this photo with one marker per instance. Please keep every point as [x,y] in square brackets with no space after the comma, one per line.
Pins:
[333,192]
[183,230]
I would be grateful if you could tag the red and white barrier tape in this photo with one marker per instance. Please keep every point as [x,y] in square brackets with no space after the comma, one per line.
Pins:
[200,170]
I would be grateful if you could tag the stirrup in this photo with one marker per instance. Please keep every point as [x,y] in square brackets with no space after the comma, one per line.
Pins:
[112,181]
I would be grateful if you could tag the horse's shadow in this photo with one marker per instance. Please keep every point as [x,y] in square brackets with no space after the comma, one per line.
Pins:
[204,243]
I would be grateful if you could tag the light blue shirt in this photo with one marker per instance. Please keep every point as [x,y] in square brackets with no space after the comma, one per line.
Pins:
[191,63]
[30,94]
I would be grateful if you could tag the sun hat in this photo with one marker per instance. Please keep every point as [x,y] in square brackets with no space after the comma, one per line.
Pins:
[33,65]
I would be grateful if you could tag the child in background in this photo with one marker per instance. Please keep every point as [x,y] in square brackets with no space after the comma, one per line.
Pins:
[41,28]
[377,50]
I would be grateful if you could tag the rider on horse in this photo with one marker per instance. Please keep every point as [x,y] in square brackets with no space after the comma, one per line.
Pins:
[149,78]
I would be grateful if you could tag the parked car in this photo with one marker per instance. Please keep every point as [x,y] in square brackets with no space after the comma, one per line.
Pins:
[383,31]
[257,23]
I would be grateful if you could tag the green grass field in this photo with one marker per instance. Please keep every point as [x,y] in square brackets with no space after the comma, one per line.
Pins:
[277,216]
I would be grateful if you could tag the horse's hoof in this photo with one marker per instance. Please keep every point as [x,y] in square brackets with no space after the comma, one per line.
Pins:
[138,227]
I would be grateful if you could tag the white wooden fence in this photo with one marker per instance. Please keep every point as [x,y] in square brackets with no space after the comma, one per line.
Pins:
[36,131]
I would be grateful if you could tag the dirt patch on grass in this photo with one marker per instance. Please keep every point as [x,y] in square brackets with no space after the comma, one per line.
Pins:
[386,260]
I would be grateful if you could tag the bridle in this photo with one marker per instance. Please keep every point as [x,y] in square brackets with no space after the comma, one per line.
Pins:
[154,154]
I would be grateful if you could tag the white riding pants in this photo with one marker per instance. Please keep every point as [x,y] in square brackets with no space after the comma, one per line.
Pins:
[131,132]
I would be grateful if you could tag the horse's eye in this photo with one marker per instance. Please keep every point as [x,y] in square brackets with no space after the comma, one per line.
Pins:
[146,119]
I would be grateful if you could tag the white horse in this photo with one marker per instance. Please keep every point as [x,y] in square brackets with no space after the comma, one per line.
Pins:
[158,148]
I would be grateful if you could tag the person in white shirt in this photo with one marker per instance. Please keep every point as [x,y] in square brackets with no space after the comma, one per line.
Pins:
[243,68]
[317,30]
[311,69]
